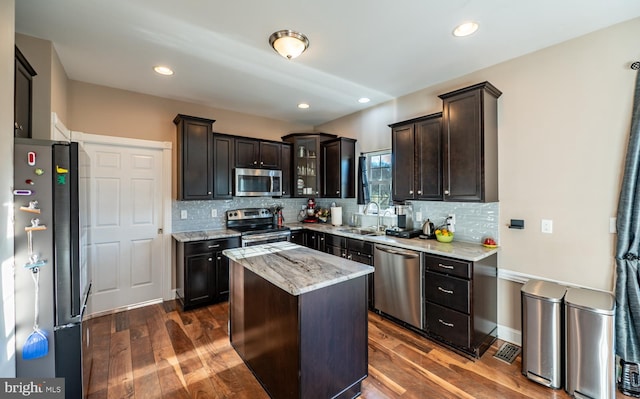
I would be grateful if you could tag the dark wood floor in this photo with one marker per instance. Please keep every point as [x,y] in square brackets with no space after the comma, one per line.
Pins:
[161,352]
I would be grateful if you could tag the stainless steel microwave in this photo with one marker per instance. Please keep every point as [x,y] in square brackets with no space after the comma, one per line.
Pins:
[258,182]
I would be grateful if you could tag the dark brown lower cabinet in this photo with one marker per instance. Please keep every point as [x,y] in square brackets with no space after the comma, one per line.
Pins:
[312,345]
[461,302]
[202,272]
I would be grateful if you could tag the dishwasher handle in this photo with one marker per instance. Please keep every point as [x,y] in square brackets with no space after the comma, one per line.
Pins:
[398,251]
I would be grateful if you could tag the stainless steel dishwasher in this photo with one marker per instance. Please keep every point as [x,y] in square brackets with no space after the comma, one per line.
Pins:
[399,284]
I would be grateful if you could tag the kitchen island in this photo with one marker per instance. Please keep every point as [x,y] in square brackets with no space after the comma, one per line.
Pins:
[298,319]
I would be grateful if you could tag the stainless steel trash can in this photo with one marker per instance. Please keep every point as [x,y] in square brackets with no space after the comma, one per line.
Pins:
[590,359]
[542,332]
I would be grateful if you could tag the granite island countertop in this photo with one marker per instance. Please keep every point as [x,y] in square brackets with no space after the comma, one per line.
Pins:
[294,268]
[199,235]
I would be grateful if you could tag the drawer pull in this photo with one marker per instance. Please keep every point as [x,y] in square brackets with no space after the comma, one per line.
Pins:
[210,259]
[445,291]
[445,323]
[445,266]
[214,246]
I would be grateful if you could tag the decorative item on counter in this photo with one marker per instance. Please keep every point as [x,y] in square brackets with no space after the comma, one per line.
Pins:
[489,242]
[444,235]
[323,214]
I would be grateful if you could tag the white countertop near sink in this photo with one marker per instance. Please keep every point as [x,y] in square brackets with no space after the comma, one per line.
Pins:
[455,249]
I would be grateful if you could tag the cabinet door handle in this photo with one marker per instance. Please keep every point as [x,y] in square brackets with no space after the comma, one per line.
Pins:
[350,257]
[214,246]
[445,266]
[410,191]
[445,291]
[419,192]
[261,163]
[210,259]
[255,162]
[209,192]
[446,192]
[229,192]
[337,192]
[445,323]
[218,258]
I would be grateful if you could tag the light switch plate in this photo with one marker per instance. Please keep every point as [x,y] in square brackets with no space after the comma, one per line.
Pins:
[546,226]
[612,225]
[214,213]
[183,214]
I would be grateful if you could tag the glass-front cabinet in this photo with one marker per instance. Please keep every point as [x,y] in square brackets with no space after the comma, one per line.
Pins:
[306,162]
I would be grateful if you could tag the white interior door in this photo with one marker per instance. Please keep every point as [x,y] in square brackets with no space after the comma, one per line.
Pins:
[126,207]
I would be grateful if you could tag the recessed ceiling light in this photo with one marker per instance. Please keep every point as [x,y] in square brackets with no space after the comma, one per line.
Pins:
[465,29]
[363,100]
[163,70]
[303,105]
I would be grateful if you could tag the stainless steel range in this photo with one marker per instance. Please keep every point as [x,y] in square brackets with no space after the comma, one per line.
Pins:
[256,226]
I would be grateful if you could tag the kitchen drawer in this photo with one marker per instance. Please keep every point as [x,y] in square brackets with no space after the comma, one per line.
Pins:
[336,241]
[197,247]
[335,250]
[453,267]
[359,247]
[451,292]
[449,325]
[357,257]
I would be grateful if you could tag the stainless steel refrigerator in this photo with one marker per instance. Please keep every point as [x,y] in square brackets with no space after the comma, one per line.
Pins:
[50,232]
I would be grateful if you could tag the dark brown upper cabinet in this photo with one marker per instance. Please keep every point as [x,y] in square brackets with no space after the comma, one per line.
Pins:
[417,158]
[253,153]
[287,184]
[23,94]
[338,168]
[195,160]
[470,143]
[223,150]
[306,154]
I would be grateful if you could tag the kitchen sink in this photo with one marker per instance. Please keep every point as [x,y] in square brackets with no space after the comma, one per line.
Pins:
[359,231]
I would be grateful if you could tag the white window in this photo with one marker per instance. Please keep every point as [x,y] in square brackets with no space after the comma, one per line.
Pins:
[379,177]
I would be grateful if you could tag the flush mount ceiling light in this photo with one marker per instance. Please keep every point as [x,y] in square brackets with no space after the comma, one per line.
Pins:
[288,43]
[303,105]
[163,70]
[465,29]
[363,100]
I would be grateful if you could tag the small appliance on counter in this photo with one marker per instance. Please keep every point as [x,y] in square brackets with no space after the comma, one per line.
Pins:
[310,212]
[402,233]
[428,230]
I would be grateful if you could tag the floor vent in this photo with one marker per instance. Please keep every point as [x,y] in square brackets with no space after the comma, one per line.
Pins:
[507,353]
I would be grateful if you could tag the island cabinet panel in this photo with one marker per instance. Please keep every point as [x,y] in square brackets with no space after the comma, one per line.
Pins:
[312,345]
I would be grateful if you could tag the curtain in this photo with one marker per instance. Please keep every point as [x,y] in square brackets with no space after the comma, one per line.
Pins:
[363,184]
[628,246]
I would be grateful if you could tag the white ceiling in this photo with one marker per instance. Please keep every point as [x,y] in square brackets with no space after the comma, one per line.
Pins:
[381,49]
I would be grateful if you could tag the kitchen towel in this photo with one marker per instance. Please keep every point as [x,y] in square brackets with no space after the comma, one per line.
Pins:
[336,215]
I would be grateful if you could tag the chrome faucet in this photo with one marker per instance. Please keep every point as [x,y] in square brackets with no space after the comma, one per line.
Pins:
[366,212]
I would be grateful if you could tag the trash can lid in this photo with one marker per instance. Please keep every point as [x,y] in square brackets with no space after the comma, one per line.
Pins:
[591,300]
[546,290]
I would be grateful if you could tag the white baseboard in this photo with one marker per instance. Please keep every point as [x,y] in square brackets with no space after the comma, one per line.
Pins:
[510,335]
[123,308]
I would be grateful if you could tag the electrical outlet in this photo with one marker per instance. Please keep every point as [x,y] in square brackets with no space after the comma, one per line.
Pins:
[546,226]
[183,214]
[453,218]
[418,215]
[214,213]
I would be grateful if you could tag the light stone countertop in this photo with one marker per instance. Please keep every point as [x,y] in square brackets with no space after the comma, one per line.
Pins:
[457,249]
[294,268]
[204,235]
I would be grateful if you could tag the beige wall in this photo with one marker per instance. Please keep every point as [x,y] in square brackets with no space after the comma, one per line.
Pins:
[102,110]
[564,120]
[7,316]
[38,53]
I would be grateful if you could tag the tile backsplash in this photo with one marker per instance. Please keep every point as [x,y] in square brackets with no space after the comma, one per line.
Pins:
[474,221]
